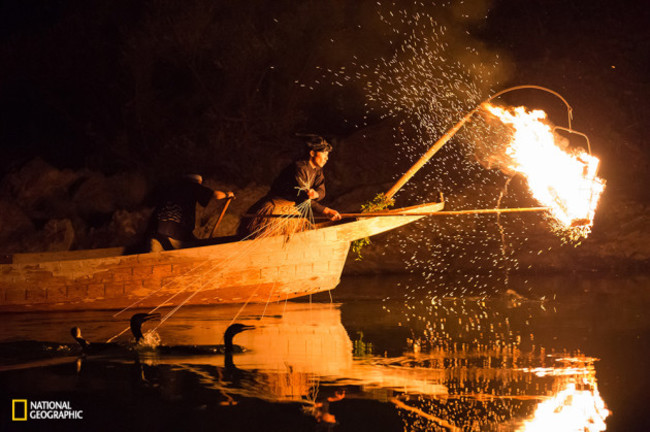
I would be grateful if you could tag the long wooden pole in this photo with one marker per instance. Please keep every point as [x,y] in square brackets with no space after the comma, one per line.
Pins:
[451,212]
[439,213]
[425,157]
[223,212]
[451,132]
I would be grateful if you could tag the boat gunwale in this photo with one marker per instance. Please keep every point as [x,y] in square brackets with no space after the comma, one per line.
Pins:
[57,257]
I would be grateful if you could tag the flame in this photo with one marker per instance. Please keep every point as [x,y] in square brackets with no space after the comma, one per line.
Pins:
[559,178]
[571,409]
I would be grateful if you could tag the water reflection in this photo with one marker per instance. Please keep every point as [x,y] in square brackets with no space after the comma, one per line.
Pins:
[496,396]
[469,365]
[497,374]
[576,406]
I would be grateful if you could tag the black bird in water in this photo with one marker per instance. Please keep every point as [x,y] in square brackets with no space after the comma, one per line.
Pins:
[228,347]
[105,347]
[95,347]
[136,328]
[136,324]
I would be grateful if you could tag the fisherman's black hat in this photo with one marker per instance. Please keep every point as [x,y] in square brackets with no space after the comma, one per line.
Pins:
[316,143]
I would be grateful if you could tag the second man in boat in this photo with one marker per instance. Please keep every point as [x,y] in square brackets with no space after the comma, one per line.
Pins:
[174,217]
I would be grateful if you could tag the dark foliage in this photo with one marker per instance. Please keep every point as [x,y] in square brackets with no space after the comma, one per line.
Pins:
[166,87]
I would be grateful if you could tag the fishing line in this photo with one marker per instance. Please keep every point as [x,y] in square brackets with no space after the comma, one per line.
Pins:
[205,284]
[285,304]
[268,300]
[176,280]
[267,230]
[244,306]
[301,207]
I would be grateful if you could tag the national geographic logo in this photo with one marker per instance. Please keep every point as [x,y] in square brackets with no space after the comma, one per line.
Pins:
[21,410]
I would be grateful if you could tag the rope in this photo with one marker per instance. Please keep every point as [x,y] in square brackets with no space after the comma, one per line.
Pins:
[264,231]
[207,283]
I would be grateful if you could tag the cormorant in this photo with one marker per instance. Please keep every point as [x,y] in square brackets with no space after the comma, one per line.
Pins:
[76,334]
[232,373]
[136,328]
[97,348]
[228,347]
[136,324]
[93,348]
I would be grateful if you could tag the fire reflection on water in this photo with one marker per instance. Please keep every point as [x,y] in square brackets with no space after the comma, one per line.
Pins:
[497,375]
[302,354]
[564,397]
[578,407]
[476,375]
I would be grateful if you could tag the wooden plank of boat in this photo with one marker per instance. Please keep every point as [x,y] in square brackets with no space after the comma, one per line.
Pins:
[260,270]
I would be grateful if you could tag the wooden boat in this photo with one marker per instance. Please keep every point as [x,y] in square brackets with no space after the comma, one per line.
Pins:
[261,270]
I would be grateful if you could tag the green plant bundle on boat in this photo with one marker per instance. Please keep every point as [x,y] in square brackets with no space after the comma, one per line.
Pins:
[378,203]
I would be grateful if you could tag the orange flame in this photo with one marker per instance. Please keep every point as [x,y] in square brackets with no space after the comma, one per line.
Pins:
[575,408]
[563,180]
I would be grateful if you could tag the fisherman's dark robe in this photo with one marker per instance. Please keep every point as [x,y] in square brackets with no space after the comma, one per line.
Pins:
[288,191]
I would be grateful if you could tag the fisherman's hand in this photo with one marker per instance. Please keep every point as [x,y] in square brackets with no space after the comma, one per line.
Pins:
[312,194]
[332,214]
[222,195]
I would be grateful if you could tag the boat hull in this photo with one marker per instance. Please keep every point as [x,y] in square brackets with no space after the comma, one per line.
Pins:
[261,270]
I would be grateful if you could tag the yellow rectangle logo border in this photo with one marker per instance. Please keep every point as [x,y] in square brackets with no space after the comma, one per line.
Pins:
[13,410]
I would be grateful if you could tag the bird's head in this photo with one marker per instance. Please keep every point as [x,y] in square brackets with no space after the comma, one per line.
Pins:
[76,334]
[237,328]
[144,317]
[231,331]
[136,323]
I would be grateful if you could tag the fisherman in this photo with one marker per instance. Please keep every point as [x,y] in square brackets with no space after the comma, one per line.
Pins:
[175,215]
[297,191]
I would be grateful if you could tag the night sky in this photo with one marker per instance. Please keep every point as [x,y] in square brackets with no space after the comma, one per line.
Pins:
[123,86]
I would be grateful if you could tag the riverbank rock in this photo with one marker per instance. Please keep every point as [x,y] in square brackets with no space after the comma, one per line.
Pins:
[47,209]
[58,235]
[15,226]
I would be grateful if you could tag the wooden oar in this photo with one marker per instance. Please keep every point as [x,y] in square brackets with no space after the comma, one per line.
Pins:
[439,213]
[223,212]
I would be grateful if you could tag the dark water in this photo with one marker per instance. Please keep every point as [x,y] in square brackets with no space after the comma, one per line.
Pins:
[563,353]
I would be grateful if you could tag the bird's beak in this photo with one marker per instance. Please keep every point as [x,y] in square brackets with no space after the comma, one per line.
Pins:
[248,327]
[151,316]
